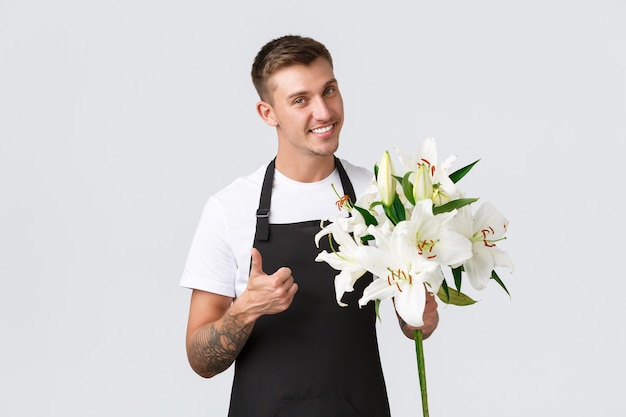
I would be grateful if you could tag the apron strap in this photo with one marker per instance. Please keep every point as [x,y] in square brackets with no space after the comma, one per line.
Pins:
[345,181]
[263,212]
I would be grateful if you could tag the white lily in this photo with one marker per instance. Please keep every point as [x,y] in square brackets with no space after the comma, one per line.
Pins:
[386,182]
[406,252]
[369,196]
[400,272]
[443,189]
[343,258]
[423,184]
[484,229]
[434,236]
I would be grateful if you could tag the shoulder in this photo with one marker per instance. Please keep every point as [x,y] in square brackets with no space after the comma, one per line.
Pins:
[220,249]
[242,189]
[233,206]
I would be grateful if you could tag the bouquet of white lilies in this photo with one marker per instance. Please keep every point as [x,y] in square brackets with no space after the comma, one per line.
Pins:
[406,229]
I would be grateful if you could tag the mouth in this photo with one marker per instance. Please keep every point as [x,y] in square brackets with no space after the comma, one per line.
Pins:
[322,130]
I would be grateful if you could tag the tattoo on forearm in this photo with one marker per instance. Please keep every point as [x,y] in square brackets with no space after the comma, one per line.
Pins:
[216,347]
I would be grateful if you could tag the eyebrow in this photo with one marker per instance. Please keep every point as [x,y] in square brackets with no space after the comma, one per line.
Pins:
[304,92]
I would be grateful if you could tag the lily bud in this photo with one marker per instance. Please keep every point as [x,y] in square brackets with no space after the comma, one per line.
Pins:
[386,181]
[423,186]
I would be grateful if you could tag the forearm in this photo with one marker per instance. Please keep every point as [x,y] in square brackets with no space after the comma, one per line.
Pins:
[215,346]
[219,327]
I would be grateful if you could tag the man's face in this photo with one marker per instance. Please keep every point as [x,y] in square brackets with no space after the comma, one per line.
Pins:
[307,109]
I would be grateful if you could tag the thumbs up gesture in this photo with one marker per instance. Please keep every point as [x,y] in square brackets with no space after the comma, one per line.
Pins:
[267,294]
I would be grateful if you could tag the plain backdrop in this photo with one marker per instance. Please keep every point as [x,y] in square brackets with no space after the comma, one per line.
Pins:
[119,118]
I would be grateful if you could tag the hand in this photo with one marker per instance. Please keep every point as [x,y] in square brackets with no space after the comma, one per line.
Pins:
[430,317]
[266,294]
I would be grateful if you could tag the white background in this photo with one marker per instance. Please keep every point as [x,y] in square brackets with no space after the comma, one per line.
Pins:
[119,118]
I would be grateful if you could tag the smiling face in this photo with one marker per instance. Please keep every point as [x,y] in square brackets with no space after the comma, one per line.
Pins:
[307,110]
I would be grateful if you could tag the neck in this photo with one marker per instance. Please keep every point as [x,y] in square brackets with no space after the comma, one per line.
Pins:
[312,169]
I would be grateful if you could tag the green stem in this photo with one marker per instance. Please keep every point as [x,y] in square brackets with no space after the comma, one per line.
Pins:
[419,351]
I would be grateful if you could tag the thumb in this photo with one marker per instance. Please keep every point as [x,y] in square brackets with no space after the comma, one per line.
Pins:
[256,266]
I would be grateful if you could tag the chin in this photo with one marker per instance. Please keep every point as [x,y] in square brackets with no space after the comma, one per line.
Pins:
[326,151]
[332,146]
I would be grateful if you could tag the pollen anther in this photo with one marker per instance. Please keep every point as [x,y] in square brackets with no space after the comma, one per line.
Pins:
[343,200]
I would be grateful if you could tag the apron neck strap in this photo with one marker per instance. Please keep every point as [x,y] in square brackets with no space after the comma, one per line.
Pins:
[263,212]
[345,181]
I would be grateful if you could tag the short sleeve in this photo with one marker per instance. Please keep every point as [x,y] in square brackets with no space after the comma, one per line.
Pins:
[211,264]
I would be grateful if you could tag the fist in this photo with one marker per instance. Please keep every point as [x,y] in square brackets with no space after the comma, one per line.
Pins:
[268,294]
[430,318]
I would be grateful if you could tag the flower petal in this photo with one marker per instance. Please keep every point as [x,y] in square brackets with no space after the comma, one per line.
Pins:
[478,268]
[379,289]
[386,182]
[488,217]
[410,304]
[501,258]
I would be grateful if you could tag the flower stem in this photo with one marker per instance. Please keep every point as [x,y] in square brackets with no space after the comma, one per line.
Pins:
[419,351]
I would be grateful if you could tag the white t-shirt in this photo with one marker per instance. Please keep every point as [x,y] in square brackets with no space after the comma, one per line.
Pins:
[219,258]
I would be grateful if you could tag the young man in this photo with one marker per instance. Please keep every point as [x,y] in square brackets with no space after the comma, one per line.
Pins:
[259,298]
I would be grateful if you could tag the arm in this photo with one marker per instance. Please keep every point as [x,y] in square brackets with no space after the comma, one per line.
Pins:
[218,328]
[431,319]
[214,334]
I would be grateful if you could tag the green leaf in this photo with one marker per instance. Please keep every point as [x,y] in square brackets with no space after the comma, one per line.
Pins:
[395,212]
[398,208]
[407,187]
[446,291]
[460,173]
[391,215]
[367,238]
[453,205]
[496,278]
[456,298]
[369,218]
[456,273]
[377,309]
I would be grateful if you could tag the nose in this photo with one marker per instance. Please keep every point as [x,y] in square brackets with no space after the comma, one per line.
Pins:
[321,110]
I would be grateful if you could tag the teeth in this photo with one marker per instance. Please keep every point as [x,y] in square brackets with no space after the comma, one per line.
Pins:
[322,129]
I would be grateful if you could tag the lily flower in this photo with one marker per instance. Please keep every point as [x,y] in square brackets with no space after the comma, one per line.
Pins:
[400,272]
[393,233]
[426,157]
[366,201]
[343,258]
[484,229]
[434,237]
[386,181]
[423,185]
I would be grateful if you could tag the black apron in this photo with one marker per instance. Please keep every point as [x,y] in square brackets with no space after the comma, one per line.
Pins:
[316,359]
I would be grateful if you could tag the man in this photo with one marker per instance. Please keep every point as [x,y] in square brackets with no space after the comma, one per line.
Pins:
[259,298]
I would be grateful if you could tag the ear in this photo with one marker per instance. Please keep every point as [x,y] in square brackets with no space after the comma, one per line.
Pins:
[266,112]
